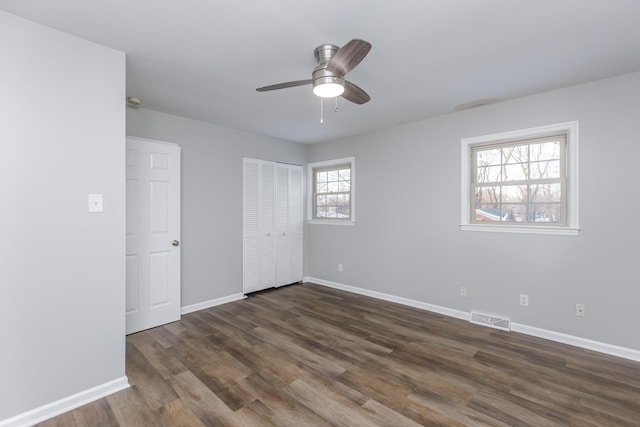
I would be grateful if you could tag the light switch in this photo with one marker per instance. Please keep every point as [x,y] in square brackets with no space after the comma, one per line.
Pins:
[95,203]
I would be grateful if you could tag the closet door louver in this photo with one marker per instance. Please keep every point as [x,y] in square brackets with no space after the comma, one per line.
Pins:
[283,264]
[296,222]
[272,216]
[267,212]
[251,226]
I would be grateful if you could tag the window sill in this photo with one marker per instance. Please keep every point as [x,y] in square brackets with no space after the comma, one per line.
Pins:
[562,231]
[330,222]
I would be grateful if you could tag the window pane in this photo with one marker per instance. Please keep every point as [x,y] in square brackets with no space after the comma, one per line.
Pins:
[332,175]
[344,206]
[332,200]
[516,172]
[546,193]
[344,186]
[514,194]
[488,174]
[545,212]
[333,187]
[514,212]
[545,169]
[487,213]
[517,154]
[545,151]
[321,177]
[321,187]
[343,212]
[345,174]
[487,195]
[488,157]
[321,209]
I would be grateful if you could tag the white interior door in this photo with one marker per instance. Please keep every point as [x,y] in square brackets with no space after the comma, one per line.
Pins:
[153,234]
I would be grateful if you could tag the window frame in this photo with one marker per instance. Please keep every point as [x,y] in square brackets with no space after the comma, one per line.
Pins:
[328,165]
[571,201]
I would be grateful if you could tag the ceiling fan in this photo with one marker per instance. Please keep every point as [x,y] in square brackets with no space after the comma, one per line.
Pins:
[328,75]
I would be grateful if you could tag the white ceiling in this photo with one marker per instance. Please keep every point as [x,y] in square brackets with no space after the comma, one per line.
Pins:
[203,59]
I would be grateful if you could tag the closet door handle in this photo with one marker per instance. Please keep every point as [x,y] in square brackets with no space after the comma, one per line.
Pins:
[175,243]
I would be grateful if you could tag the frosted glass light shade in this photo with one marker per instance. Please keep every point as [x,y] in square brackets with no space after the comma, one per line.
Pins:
[328,90]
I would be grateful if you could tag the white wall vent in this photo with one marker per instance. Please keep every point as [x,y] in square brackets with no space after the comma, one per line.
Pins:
[490,321]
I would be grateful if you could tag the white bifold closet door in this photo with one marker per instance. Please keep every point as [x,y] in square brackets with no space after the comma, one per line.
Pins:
[272,224]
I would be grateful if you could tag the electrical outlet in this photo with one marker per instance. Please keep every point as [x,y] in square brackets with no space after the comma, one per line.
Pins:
[524,299]
[581,310]
[340,268]
[463,291]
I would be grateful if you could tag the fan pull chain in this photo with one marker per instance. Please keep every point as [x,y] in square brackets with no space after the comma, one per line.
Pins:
[336,104]
[321,112]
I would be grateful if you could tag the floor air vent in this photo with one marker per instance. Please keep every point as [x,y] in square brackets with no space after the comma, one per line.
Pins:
[490,321]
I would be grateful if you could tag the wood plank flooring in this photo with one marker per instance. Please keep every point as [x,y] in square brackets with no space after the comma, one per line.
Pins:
[306,355]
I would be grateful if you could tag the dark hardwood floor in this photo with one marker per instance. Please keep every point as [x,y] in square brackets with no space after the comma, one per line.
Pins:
[306,355]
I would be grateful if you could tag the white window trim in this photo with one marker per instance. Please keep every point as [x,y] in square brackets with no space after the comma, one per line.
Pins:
[310,168]
[572,228]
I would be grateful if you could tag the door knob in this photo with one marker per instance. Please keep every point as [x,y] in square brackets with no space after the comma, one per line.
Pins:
[175,243]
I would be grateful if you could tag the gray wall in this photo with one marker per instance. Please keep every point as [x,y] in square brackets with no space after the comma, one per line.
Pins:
[407,241]
[211,195]
[62,276]
[62,272]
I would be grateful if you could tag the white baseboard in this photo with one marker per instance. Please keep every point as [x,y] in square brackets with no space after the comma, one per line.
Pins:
[211,303]
[613,350]
[69,403]
[387,297]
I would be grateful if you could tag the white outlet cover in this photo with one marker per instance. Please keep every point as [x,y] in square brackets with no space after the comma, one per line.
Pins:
[96,203]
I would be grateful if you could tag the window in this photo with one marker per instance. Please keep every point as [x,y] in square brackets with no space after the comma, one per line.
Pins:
[331,192]
[522,181]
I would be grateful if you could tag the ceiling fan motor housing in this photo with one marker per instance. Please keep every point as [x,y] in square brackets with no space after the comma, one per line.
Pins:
[321,75]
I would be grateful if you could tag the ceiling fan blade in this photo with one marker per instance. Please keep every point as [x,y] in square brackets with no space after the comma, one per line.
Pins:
[354,94]
[285,85]
[348,57]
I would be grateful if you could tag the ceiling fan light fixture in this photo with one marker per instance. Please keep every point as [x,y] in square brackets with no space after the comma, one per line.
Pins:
[328,87]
